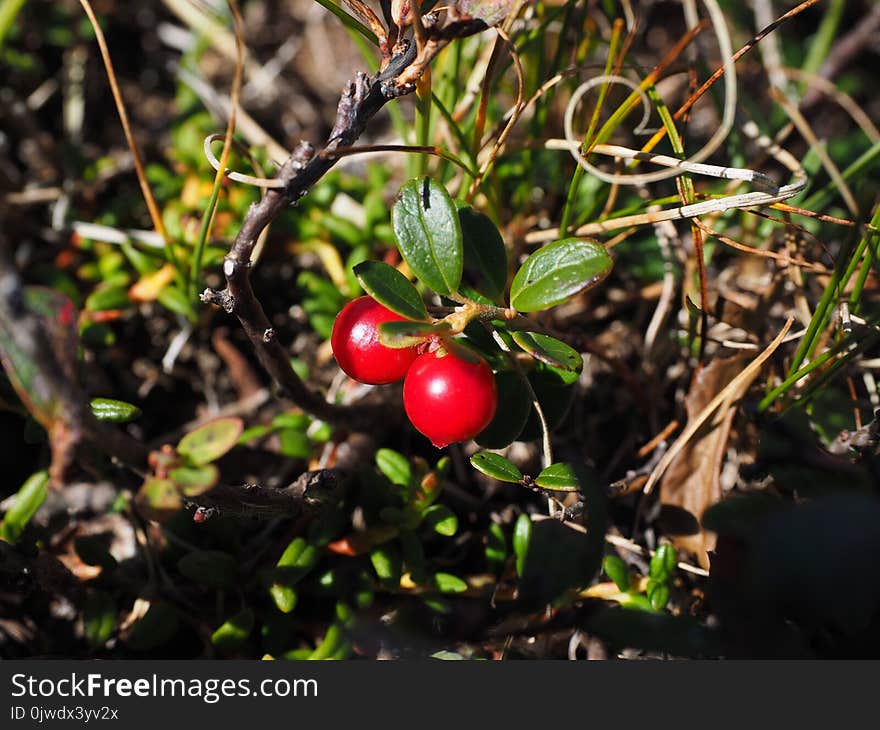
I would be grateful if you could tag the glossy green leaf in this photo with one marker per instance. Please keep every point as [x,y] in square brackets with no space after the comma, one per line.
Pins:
[408,334]
[618,571]
[549,350]
[395,466]
[558,478]
[388,564]
[428,233]
[522,536]
[232,634]
[114,411]
[448,583]
[496,466]
[391,289]
[212,568]
[511,415]
[663,563]
[195,480]
[658,595]
[99,618]
[211,441]
[554,273]
[297,560]
[484,251]
[27,501]
[441,519]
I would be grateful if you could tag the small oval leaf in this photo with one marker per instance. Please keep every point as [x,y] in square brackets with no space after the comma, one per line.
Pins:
[428,234]
[448,583]
[211,441]
[232,635]
[195,480]
[391,289]
[158,499]
[496,466]
[558,478]
[618,571]
[114,411]
[522,536]
[554,273]
[441,519]
[484,250]
[549,350]
[395,466]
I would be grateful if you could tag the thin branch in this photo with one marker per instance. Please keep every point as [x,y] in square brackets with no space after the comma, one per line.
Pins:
[361,100]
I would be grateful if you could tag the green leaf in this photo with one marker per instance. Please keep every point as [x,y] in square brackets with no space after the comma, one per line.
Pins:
[658,595]
[99,618]
[408,334]
[211,441]
[558,478]
[30,496]
[395,466]
[618,571]
[484,250]
[298,558]
[174,300]
[388,565]
[195,480]
[663,563]
[522,536]
[441,519]
[549,350]
[514,406]
[448,583]
[212,568]
[108,297]
[295,444]
[114,411]
[428,234]
[158,499]
[554,273]
[391,289]
[232,635]
[496,466]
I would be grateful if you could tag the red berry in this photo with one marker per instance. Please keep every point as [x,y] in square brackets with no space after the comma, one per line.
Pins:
[450,395]
[356,346]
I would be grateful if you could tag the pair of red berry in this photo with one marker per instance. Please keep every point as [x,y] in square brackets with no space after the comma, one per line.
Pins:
[449,393]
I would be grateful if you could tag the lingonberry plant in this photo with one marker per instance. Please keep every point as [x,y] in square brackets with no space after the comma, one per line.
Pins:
[470,329]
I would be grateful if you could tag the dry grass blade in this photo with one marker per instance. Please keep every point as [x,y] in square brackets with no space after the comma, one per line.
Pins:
[155,214]
[730,394]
